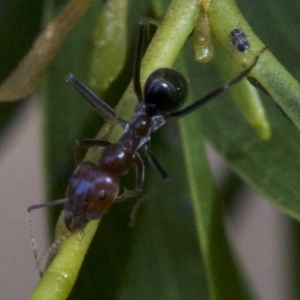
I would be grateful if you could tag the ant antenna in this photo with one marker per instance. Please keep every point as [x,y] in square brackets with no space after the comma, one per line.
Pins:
[216,92]
[102,108]
[32,239]
[51,249]
[33,244]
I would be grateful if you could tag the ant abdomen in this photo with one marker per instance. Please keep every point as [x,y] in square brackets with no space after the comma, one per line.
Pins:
[91,191]
[165,91]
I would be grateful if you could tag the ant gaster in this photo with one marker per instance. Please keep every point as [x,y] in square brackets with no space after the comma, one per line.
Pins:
[94,187]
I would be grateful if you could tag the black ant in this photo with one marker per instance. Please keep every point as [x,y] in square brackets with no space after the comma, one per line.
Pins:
[93,188]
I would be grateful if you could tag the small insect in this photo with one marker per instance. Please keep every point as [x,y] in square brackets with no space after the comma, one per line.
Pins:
[239,40]
[93,188]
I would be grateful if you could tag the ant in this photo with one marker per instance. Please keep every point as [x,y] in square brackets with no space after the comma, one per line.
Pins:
[93,188]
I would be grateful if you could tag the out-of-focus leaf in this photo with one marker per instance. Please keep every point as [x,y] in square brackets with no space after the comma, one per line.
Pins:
[20,22]
[18,30]
[223,274]
[33,66]
[108,55]
[7,110]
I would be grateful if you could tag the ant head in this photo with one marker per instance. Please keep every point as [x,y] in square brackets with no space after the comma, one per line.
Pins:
[165,91]
[91,192]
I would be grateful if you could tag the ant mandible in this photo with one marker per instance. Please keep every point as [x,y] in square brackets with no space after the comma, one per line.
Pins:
[93,188]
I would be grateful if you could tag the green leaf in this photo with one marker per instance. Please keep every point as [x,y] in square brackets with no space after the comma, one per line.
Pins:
[222,273]
[109,33]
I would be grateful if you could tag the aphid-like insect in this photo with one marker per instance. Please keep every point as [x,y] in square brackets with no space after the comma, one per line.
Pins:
[239,40]
[93,188]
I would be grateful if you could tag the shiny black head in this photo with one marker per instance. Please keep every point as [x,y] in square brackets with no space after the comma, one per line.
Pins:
[165,91]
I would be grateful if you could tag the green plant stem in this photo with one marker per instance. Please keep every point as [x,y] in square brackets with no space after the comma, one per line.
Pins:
[58,280]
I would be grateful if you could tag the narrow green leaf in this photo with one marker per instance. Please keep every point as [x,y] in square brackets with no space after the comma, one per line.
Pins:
[222,273]
[246,97]
[110,33]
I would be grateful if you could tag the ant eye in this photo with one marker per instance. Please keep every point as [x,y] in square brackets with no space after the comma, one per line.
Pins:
[165,91]
[101,195]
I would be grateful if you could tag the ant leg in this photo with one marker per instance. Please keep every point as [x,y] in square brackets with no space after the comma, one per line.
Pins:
[216,92]
[139,172]
[87,143]
[33,243]
[163,174]
[155,164]
[102,108]
[139,53]
[139,180]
